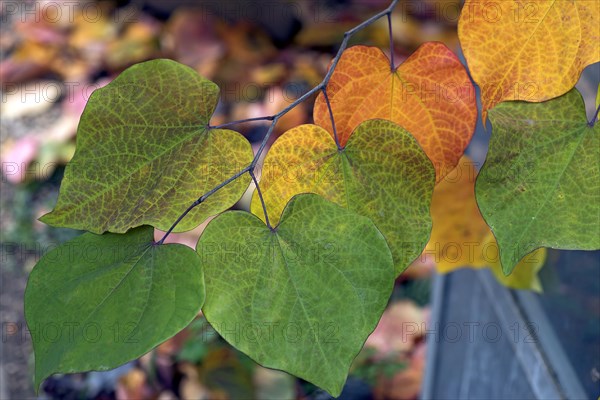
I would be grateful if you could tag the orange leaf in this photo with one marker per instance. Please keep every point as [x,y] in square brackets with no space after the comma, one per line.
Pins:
[430,95]
[533,50]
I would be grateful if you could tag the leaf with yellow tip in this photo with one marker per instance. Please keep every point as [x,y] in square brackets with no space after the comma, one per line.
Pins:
[382,173]
[145,153]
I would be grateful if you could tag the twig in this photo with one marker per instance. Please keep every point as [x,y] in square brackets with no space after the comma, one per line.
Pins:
[202,199]
[274,118]
[279,115]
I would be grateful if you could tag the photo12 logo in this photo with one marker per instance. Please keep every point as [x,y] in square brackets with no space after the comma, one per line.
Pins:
[62,11]
[273,332]
[472,331]
[70,332]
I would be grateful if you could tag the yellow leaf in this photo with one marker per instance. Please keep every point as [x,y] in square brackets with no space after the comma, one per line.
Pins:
[458,228]
[525,274]
[528,50]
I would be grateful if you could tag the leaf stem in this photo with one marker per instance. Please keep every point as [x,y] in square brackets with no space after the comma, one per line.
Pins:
[335,135]
[274,118]
[241,121]
[260,196]
[594,118]
[202,199]
[392,66]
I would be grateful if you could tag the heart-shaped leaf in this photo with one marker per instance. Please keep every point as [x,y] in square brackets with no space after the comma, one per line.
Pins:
[99,301]
[382,173]
[540,184]
[429,94]
[461,238]
[303,297]
[530,50]
[145,153]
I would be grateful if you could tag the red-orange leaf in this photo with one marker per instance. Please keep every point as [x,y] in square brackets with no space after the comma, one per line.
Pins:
[430,95]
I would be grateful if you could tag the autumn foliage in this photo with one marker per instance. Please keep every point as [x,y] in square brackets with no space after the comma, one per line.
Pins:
[342,206]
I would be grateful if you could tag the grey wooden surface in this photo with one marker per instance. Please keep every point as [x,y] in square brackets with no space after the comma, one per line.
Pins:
[482,344]
[3,383]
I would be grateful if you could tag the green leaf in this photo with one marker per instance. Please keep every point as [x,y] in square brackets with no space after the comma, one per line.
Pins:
[540,184]
[144,154]
[382,173]
[96,302]
[303,297]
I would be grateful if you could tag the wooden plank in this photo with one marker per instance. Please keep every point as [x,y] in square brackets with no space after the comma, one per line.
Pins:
[566,377]
[479,345]
[3,381]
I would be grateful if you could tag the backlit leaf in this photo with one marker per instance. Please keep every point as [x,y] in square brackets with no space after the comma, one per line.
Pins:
[525,274]
[99,301]
[429,94]
[382,173]
[540,184]
[303,297]
[459,230]
[144,154]
[460,237]
[528,50]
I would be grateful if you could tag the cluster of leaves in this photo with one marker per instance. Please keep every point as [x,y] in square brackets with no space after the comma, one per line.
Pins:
[346,204]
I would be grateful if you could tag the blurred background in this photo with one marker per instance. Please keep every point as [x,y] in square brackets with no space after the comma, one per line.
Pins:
[263,55]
